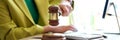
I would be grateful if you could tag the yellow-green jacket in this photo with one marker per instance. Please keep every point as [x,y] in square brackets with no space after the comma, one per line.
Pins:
[16,21]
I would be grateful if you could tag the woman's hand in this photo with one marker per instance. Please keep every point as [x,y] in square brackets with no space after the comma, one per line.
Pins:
[65,8]
[62,29]
[58,29]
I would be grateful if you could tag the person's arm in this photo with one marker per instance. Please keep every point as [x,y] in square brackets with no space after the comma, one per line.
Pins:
[10,31]
[58,29]
[65,6]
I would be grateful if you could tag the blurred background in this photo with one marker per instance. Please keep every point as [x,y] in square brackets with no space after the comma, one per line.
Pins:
[87,16]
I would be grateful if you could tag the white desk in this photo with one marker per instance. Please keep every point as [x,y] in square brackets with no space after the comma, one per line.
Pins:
[36,37]
[109,37]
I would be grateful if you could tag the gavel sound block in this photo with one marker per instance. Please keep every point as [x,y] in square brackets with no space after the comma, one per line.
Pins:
[52,37]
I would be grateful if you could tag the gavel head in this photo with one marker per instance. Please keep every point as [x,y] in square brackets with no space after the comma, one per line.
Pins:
[53,9]
[53,15]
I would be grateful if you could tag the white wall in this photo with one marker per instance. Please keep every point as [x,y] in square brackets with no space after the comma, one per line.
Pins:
[88,15]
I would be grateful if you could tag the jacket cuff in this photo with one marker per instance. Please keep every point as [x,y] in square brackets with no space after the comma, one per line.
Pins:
[40,29]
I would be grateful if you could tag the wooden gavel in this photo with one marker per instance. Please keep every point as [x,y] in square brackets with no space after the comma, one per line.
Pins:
[53,15]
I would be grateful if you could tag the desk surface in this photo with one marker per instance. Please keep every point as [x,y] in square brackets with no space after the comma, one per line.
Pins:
[109,37]
[36,37]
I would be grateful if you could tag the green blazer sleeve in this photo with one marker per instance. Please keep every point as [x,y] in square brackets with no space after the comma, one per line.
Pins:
[54,2]
[9,30]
